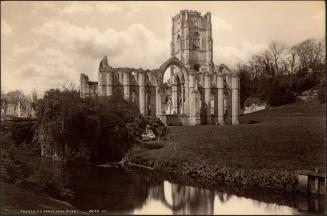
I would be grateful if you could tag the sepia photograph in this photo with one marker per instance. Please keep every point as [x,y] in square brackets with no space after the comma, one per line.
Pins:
[163,107]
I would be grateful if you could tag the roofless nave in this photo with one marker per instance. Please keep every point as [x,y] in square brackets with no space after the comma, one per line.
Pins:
[198,92]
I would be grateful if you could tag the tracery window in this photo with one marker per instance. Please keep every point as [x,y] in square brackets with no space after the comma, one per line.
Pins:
[196,40]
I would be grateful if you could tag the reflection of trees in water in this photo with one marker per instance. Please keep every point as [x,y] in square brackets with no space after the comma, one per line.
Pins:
[115,190]
[110,189]
[270,207]
[223,197]
[184,199]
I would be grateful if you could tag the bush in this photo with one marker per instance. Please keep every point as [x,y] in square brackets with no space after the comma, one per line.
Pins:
[306,81]
[280,95]
[158,127]
[105,127]
[22,163]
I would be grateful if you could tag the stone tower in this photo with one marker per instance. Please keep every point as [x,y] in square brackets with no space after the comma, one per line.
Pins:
[192,40]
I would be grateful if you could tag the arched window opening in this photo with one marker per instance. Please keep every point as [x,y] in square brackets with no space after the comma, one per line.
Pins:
[212,104]
[133,97]
[196,68]
[182,93]
[178,98]
[168,105]
[148,103]
[196,23]
[225,103]
[134,75]
[173,90]
[178,43]
[167,90]
[196,40]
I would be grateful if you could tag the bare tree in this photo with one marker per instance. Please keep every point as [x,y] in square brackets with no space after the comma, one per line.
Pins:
[306,52]
[275,51]
[290,64]
[320,57]
[284,69]
[34,95]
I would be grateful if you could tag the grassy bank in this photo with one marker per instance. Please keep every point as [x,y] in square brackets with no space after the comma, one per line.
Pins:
[266,150]
[25,174]
[18,200]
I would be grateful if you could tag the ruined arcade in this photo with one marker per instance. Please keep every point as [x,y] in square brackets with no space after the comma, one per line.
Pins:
[197,91]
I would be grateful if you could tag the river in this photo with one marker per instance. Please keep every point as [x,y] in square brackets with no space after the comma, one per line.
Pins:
[115,190]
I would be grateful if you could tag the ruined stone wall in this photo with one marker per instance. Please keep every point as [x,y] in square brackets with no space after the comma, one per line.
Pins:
[211,96]
[87,88]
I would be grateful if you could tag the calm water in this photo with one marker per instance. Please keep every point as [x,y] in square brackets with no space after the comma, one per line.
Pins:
[114,190]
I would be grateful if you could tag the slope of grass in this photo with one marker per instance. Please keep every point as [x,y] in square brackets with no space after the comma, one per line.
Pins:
[18,200]
[286,138]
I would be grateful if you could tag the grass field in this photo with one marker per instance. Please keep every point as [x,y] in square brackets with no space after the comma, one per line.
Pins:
[285,138]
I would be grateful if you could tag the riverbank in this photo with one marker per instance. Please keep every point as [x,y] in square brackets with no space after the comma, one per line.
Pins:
[19,200]
[28,185]
[266,150]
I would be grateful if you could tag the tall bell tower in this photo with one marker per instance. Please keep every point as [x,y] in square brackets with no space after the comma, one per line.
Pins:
[192,40]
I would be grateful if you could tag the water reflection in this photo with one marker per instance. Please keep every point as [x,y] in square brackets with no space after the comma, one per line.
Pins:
[182,199]
[178,199]
[118,191]
[108,190]
[241,205]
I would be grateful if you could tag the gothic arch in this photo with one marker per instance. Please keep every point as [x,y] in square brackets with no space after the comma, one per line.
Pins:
[182,79]
[224,69]
[172,61]
[196,67]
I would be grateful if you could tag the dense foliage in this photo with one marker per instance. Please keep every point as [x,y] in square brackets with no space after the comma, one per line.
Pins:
[106,126]
[159,128]
[280,73]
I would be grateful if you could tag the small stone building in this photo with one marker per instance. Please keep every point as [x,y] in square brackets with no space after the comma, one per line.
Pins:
[198,92]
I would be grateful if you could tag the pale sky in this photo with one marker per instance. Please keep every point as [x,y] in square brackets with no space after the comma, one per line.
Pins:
[48,44]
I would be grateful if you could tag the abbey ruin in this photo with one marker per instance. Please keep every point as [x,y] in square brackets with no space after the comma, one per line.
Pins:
[197,91]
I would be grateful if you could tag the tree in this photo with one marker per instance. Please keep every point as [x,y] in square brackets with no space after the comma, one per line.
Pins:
[245,84]
[310,53]
[34,95]
[275,51]
[104,126]
[15,96]
[290,64]
[280,72]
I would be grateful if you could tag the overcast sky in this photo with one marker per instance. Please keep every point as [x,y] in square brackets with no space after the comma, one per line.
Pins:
[48,44]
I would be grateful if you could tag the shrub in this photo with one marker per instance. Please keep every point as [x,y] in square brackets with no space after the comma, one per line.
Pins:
[158,127]
[22,163]
[306,81]
[280,95]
